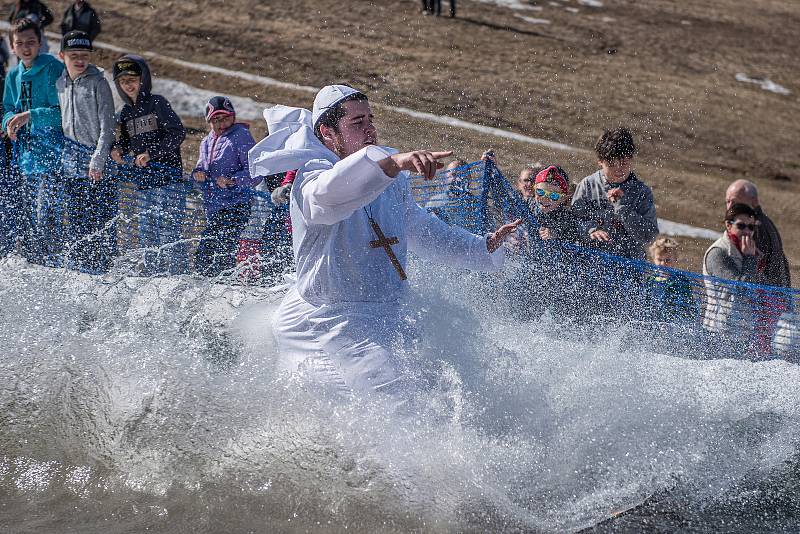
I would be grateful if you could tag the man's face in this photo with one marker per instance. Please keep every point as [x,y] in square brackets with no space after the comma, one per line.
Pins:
[130,86]
[77,61]
[738,196]
[616,171]
[355,130]
[26,46]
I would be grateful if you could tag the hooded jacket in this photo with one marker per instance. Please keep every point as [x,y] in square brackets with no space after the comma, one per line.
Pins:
[150,125]
[86,20]
[226,155]
[631,221]
[34,90]
[87,112]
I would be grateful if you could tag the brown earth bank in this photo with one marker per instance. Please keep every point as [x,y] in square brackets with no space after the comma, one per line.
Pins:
[665,69]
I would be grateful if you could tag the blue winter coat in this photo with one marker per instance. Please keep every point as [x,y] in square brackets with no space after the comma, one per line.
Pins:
[34,90]
[226,155]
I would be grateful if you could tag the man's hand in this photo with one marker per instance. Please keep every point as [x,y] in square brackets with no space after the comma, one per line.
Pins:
[95,176]
[615,194]
[16,122]
[223,182]
[142,159]
[545,233]
[489,156]
[496,239]
[748,245]
[600,235]
[199,176]
[421,162]
[116,155]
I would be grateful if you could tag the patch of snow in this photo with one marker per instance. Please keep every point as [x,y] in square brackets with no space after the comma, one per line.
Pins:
[590,3]
[679,229]
[572,9]
[512,4]
[765,83]
[533,20]
[608,19]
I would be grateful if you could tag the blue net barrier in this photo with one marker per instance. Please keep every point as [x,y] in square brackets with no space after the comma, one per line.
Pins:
[693,314]
[59,218]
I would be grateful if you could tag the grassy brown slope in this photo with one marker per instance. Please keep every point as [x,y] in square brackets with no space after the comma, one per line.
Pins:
[670,77]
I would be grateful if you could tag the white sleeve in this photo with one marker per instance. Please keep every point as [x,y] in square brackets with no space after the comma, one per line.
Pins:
[431,238]
[331,193]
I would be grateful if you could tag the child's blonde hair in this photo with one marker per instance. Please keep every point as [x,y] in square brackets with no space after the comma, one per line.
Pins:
[663,244]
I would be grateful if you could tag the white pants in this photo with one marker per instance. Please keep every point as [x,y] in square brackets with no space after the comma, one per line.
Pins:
[346,346]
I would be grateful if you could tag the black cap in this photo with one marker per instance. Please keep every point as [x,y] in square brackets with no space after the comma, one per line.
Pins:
[76,40]
[218,105]
[126,67]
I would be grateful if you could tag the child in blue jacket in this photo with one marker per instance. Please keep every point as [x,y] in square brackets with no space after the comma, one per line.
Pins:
[223,175]
[32,120]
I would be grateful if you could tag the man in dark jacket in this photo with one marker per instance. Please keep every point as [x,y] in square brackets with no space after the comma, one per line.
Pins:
[81,16]
[768,240]
[153,133]
[33,9]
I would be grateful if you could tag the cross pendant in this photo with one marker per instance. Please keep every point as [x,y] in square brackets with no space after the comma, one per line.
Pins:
[386,244]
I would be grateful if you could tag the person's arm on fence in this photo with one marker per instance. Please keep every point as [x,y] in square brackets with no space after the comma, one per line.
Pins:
[105,110]
[175,133]
[638,216]
[242,176]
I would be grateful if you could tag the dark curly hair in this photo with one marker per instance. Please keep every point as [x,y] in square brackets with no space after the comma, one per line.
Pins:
[615,144]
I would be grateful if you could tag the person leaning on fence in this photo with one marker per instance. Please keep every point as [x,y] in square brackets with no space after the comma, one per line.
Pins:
[671,293]
[616,203]
[81,16]
[223,175]
[87,118]
[153,133]
[32,120]
[730,309]
[545,262]
[767,238]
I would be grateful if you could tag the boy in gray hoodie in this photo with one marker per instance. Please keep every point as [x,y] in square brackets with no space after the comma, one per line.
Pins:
[87,118]
[617,206]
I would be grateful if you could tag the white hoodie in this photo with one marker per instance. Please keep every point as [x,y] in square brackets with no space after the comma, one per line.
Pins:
[330,205]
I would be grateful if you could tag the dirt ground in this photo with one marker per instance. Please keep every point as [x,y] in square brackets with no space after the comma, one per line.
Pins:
[665,69]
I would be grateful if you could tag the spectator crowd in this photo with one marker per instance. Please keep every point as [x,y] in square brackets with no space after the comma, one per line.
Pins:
[70,148]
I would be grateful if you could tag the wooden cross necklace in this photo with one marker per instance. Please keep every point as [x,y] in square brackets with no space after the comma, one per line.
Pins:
[385,243]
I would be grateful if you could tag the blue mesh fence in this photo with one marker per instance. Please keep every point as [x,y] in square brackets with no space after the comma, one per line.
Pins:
[130,229]
[693,314]
[157,231]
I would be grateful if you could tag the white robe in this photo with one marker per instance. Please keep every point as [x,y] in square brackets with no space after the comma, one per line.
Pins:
[339,320]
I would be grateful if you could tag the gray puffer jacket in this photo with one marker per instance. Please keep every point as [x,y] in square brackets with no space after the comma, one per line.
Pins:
[87,112]
[631,221]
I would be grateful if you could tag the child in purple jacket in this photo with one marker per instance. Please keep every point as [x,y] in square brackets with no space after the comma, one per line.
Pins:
[223,175]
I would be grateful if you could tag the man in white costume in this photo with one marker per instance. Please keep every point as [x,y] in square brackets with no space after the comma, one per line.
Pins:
[353,220]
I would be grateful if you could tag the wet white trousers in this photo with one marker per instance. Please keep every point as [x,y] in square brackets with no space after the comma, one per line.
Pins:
[345,346]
